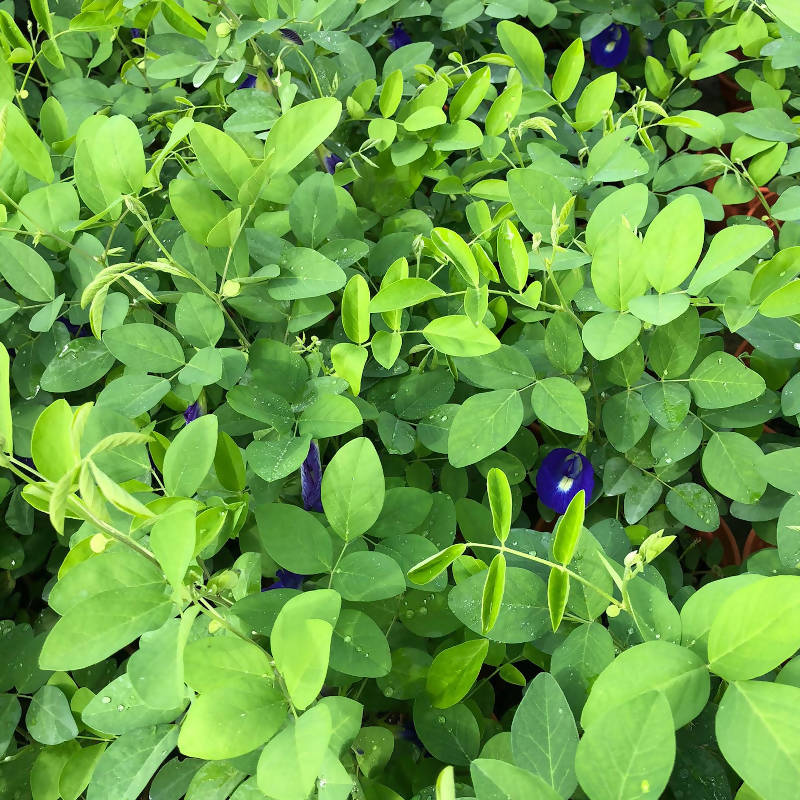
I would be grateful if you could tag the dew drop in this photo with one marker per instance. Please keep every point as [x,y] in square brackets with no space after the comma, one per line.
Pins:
[105,700]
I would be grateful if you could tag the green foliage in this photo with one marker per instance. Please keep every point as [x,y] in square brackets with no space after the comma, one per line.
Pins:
[440,472]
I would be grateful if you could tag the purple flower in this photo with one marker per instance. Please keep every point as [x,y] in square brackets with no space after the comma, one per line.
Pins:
[136,33]
[192,412]
[409,733]
[562,474]
[287,580]
[399,37]
[291,36]
[248,83]
[610,46]
[331,160]
[311,480]
[74,330]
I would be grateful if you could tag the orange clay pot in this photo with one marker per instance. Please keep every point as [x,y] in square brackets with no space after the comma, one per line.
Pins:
[753,544]
[730,549]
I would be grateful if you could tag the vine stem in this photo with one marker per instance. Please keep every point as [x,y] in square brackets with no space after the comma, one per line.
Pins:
[503,549]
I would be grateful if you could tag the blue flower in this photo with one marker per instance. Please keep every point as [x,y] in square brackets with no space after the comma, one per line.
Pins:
[287,580]
[74,330]
[409,733]
[192,412]
[331,160]
[562,474]
[311,480]
[136,33]
[610,46]
[248,83]
[399,37]
[291,36]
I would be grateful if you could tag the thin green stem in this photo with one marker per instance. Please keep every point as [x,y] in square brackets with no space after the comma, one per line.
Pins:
[530,557]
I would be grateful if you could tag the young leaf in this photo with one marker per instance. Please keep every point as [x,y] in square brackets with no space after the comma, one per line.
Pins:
[431,567]
[355,309]
[190,456]
[493,589]
[445,785]
[6,438]
[499,492]
[568,71]
[454,671]
[457,250]
[569,529]
[557,594]
[512,255]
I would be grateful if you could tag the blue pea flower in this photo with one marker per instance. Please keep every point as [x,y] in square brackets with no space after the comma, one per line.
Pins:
[610,46]
[311,480]
[398,37]
[409,733]
[248,83]
[192,412]
[74,330]
[287,580]
[562,474]
[291,36]
[331,160]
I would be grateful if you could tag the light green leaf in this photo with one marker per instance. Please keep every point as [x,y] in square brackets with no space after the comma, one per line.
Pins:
[172,540]
[25,271]
[353,489]
[403,293]
[668,259]
[307,551]
[368,576]
[729,248]
[756,629]
[273,459]
[126,767]
[301,643]
[232,719]
[454,671]
[731,465]
[359,647]
[289,764]
[560,404]
[618,267]
[568,71]
[104,623]
[614,760]
[356,309]
[190,456]
[524,48]
[721,380]
[499,780]
[544,737]
[493,589]
[49,719]
[674,672]
[483,424]
[296,134]
[609,333]
[146,348]
[500,502]
[758,730]
[457,335]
